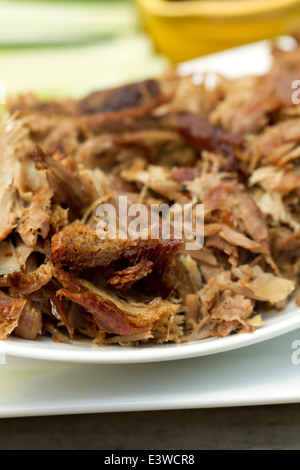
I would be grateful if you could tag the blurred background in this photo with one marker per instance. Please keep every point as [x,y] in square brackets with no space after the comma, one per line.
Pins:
[66,47]
[69,47]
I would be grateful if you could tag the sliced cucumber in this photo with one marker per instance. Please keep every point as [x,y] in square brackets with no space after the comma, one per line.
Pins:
[38,23]
[74,71]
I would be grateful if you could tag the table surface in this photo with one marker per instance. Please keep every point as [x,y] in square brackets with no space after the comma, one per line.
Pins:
[270,421]
[270,427]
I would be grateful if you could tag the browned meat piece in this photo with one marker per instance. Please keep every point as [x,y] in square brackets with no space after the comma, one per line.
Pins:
[120,98]
[78,191]
[24,283]
[30,322]
[203,135]
[221,244]
[121,108]
[10,311]
[113,314]
[239,239]
[35,219]
[10,137]
[125,278]
[78,246]
[230,311]
[253,219]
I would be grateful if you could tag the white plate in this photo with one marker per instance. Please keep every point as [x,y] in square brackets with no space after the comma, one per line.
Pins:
[263,374]
[253,59]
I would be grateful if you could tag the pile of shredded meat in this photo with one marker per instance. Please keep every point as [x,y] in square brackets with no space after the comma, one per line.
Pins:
[234,147]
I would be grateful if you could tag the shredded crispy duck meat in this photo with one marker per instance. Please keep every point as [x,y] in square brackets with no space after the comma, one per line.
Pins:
[114,314]
[233,148]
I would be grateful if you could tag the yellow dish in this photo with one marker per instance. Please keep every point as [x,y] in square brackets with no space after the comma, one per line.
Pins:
[183,30]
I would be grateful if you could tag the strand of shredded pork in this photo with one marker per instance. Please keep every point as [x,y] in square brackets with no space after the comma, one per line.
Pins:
[234,148]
